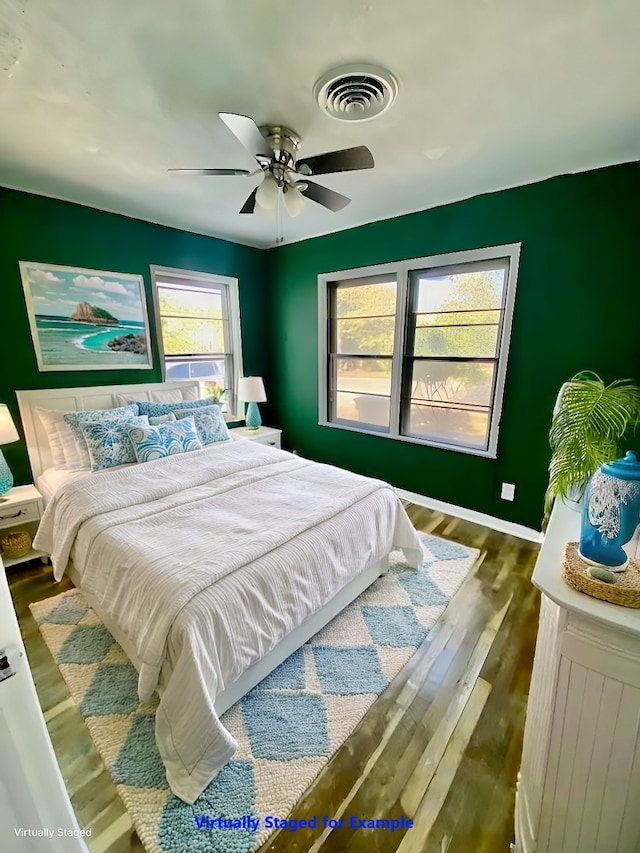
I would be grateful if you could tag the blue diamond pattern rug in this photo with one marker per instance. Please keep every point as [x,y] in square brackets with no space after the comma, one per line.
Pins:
[287,727]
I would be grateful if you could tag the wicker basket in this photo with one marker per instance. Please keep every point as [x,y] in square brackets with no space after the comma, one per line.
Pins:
[16,543]
[626,591]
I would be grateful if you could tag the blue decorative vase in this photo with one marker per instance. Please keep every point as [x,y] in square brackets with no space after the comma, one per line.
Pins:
[611,513]
[252,417]
[6,477]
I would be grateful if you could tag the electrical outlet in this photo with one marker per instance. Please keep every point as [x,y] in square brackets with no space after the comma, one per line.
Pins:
[508,492]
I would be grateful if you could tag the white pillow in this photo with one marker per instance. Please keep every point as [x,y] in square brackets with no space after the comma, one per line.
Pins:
[168,395]
[162,419]
[124,399]
[175,395]
[191,393]
[64,450]
[49,422]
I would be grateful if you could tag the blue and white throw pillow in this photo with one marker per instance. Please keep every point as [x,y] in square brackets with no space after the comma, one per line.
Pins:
[156,442]
[162,419]
[75,418]
[108,441]
[209,422]
[154,410]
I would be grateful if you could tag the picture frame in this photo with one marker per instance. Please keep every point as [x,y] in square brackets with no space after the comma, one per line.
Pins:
[85,319]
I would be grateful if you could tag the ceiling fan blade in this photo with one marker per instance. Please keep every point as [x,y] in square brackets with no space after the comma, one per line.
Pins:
[250,204]
[324,196]
[247,131]
[347,160]
[211,171]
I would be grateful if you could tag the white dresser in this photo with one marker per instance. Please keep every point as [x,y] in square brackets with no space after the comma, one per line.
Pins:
[33,797]
[579,783]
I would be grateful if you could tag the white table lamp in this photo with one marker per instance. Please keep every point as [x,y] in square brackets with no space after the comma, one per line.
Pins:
[8,433]
[251,391]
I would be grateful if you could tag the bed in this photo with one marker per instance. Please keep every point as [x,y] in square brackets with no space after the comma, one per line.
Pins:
[210,567]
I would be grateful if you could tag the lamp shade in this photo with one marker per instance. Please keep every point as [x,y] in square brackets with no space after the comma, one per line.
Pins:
[251,389]
[293,201]
[8,432]
[267,193]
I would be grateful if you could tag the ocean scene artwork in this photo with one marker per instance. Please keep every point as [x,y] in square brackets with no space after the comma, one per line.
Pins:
[86,319]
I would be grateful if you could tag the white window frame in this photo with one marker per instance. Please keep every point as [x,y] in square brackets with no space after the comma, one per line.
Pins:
[402,271]
[233,301]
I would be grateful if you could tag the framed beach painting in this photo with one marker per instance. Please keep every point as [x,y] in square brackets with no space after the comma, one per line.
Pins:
[86,319]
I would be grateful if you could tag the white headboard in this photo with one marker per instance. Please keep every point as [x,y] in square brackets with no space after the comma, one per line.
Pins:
[74,400]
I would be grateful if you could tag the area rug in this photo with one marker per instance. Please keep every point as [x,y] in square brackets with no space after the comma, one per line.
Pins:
[287,727]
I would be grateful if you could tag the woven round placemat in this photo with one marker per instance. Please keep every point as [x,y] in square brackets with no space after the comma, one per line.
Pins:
[625,592]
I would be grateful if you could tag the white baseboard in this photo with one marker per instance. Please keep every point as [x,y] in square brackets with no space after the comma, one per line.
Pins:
[499,524]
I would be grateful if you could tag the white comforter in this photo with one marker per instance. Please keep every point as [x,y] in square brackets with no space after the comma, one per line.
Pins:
[206,560]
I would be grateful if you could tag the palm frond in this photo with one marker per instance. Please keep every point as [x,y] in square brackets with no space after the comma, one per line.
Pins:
[588,425]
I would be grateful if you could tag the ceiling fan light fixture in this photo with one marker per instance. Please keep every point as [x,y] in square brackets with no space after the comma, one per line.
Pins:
[267,193]
[293,200]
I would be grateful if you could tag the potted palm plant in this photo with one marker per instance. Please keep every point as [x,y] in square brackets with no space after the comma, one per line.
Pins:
[590,422]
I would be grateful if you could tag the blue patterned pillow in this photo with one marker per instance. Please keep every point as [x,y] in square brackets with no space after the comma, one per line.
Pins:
[162,419]
[155,442]
[154,410]
[209,422]
[108,441]
[75,418]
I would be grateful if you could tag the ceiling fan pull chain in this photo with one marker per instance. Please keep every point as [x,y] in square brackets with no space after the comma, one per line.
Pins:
[279,221]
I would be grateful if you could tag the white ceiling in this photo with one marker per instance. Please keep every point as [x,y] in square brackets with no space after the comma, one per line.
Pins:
[98,100]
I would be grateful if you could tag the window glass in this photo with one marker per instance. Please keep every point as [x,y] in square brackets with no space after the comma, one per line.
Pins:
[453,342]
[364,375]
[362,333]
[453,382]
[189,336]
[363,409]
[449,424]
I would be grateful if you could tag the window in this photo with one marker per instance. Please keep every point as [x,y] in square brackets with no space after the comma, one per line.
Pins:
[198,318]
[417,350]
[363,312]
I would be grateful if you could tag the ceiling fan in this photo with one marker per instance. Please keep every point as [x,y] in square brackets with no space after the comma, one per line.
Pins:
[275,149]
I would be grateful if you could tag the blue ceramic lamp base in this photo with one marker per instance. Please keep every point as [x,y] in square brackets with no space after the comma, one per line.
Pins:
[252,416]
[6,477]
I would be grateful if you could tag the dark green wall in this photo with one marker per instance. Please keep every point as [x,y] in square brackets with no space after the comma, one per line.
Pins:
[577,307]
[33,228]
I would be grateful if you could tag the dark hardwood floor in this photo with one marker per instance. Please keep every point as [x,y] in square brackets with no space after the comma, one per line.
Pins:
[440,747]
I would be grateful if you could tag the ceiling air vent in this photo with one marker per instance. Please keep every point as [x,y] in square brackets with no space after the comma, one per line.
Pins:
[355,92]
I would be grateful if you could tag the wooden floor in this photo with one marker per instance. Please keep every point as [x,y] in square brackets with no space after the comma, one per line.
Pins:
[441,746]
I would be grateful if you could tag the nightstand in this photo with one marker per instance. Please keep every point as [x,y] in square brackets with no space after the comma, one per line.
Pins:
[263,435]
[21,509]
